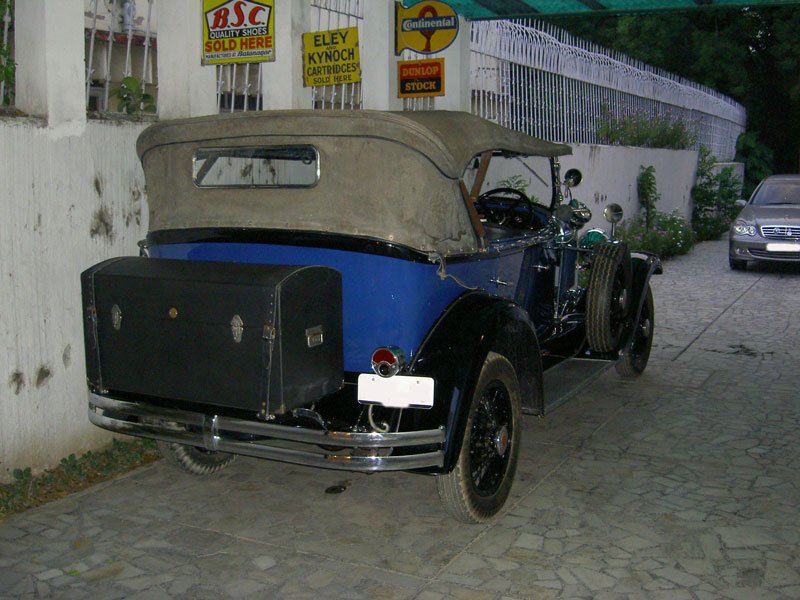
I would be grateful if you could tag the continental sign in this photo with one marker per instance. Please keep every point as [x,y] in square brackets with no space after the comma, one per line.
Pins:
[238,31]
[426,27]
[331,57]
[418,78]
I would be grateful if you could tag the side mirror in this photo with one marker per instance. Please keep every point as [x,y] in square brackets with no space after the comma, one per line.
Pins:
[613,213]
[572,178]
[740,203]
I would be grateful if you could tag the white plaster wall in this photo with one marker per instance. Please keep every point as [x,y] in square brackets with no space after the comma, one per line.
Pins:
[609,175]
[67,203]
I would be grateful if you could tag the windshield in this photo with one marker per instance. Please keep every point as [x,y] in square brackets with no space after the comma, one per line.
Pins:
[784,192]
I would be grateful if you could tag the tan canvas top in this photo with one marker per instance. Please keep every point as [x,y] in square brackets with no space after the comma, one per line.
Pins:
[392,176]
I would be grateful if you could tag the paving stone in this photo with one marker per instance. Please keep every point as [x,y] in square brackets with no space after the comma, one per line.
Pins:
[679,484]
[49,574]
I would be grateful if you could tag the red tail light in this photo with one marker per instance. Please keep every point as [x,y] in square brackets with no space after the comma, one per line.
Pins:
[388,360]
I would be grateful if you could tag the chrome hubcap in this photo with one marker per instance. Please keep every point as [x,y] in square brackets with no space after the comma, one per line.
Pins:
[501,441]
[645,328]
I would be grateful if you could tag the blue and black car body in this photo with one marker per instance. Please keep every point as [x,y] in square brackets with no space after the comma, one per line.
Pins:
[348,291]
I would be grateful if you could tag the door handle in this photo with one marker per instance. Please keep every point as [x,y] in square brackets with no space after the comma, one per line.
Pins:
[498,281]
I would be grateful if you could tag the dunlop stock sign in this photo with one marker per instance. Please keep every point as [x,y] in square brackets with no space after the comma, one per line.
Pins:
[238,31]
[420,78]
[426,27]
[331,57]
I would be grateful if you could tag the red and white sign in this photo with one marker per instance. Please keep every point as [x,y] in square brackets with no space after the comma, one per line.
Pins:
[238,31]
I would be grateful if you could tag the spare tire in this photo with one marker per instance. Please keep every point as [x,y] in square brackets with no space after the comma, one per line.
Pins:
[608,297]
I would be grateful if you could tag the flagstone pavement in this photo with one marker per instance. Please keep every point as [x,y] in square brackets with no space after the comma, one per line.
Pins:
[680,484]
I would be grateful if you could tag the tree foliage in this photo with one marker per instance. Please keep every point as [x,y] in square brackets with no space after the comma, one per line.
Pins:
[648,192]
[750,54]
[714,198]
[757,158]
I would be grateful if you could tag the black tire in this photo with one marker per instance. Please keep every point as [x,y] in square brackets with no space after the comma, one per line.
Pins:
[196,461]
[477,488]
[634,361]
[736,264]
[608,296]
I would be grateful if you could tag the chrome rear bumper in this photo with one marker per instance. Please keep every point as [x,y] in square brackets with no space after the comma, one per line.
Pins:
[358,451]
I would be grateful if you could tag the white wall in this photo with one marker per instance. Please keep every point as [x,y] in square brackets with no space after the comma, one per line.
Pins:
[67,203]
[609,175]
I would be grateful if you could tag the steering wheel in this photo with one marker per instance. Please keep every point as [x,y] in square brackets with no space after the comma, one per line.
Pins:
[506,207]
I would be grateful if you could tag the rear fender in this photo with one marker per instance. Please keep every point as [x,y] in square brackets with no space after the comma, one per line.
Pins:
[455,350]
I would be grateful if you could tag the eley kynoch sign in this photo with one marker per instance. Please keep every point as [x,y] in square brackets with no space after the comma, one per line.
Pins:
[238,31]
[331,57]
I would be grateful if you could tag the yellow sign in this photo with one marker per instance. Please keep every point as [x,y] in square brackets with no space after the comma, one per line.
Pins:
[238,31]
[418,78]
[331,57]
[426,27]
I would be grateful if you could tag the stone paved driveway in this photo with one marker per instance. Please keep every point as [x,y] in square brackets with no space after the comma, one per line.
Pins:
[681,484]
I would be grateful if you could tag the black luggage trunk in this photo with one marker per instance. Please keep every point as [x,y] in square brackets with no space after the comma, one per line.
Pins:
[261,338]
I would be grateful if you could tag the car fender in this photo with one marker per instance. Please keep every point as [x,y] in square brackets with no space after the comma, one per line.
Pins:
[643,266]
[457,346]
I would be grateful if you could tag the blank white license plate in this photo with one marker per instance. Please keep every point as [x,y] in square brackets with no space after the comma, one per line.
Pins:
[400,391]
[782,247]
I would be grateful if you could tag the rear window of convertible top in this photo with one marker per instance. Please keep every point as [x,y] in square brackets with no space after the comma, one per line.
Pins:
[256,167]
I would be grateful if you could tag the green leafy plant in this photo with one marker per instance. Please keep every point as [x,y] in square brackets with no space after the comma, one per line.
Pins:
[73,474]
[7,65]
[642,130]
[132,99]
[648,192]
[714,198]
[519,183]
[667,235]
[516,182]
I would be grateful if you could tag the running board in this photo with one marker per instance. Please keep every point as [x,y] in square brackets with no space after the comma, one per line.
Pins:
[569,377]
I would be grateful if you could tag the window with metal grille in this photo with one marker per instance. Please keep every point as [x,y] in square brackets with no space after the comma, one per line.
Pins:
[120,55]
[338,14]
[7,65]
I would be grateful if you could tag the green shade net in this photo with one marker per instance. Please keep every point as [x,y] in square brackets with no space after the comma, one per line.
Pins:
[490,9]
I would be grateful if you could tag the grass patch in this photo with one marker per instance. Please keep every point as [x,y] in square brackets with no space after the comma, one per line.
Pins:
[74,474]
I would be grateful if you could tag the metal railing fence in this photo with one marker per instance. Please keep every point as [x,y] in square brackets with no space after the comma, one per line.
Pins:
[526,75]
[536,78]
[239,87]
[338,14]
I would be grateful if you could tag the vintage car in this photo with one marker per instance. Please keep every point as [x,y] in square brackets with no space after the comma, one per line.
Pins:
[365,291]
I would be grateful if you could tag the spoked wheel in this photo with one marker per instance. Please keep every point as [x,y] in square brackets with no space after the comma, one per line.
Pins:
[634,360]
[197,461]
[608,296]
[477,488]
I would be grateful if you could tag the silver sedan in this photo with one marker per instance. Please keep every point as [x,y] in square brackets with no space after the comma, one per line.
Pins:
[768,227]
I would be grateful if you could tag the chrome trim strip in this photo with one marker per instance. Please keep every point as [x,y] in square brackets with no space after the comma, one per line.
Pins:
[214,434]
